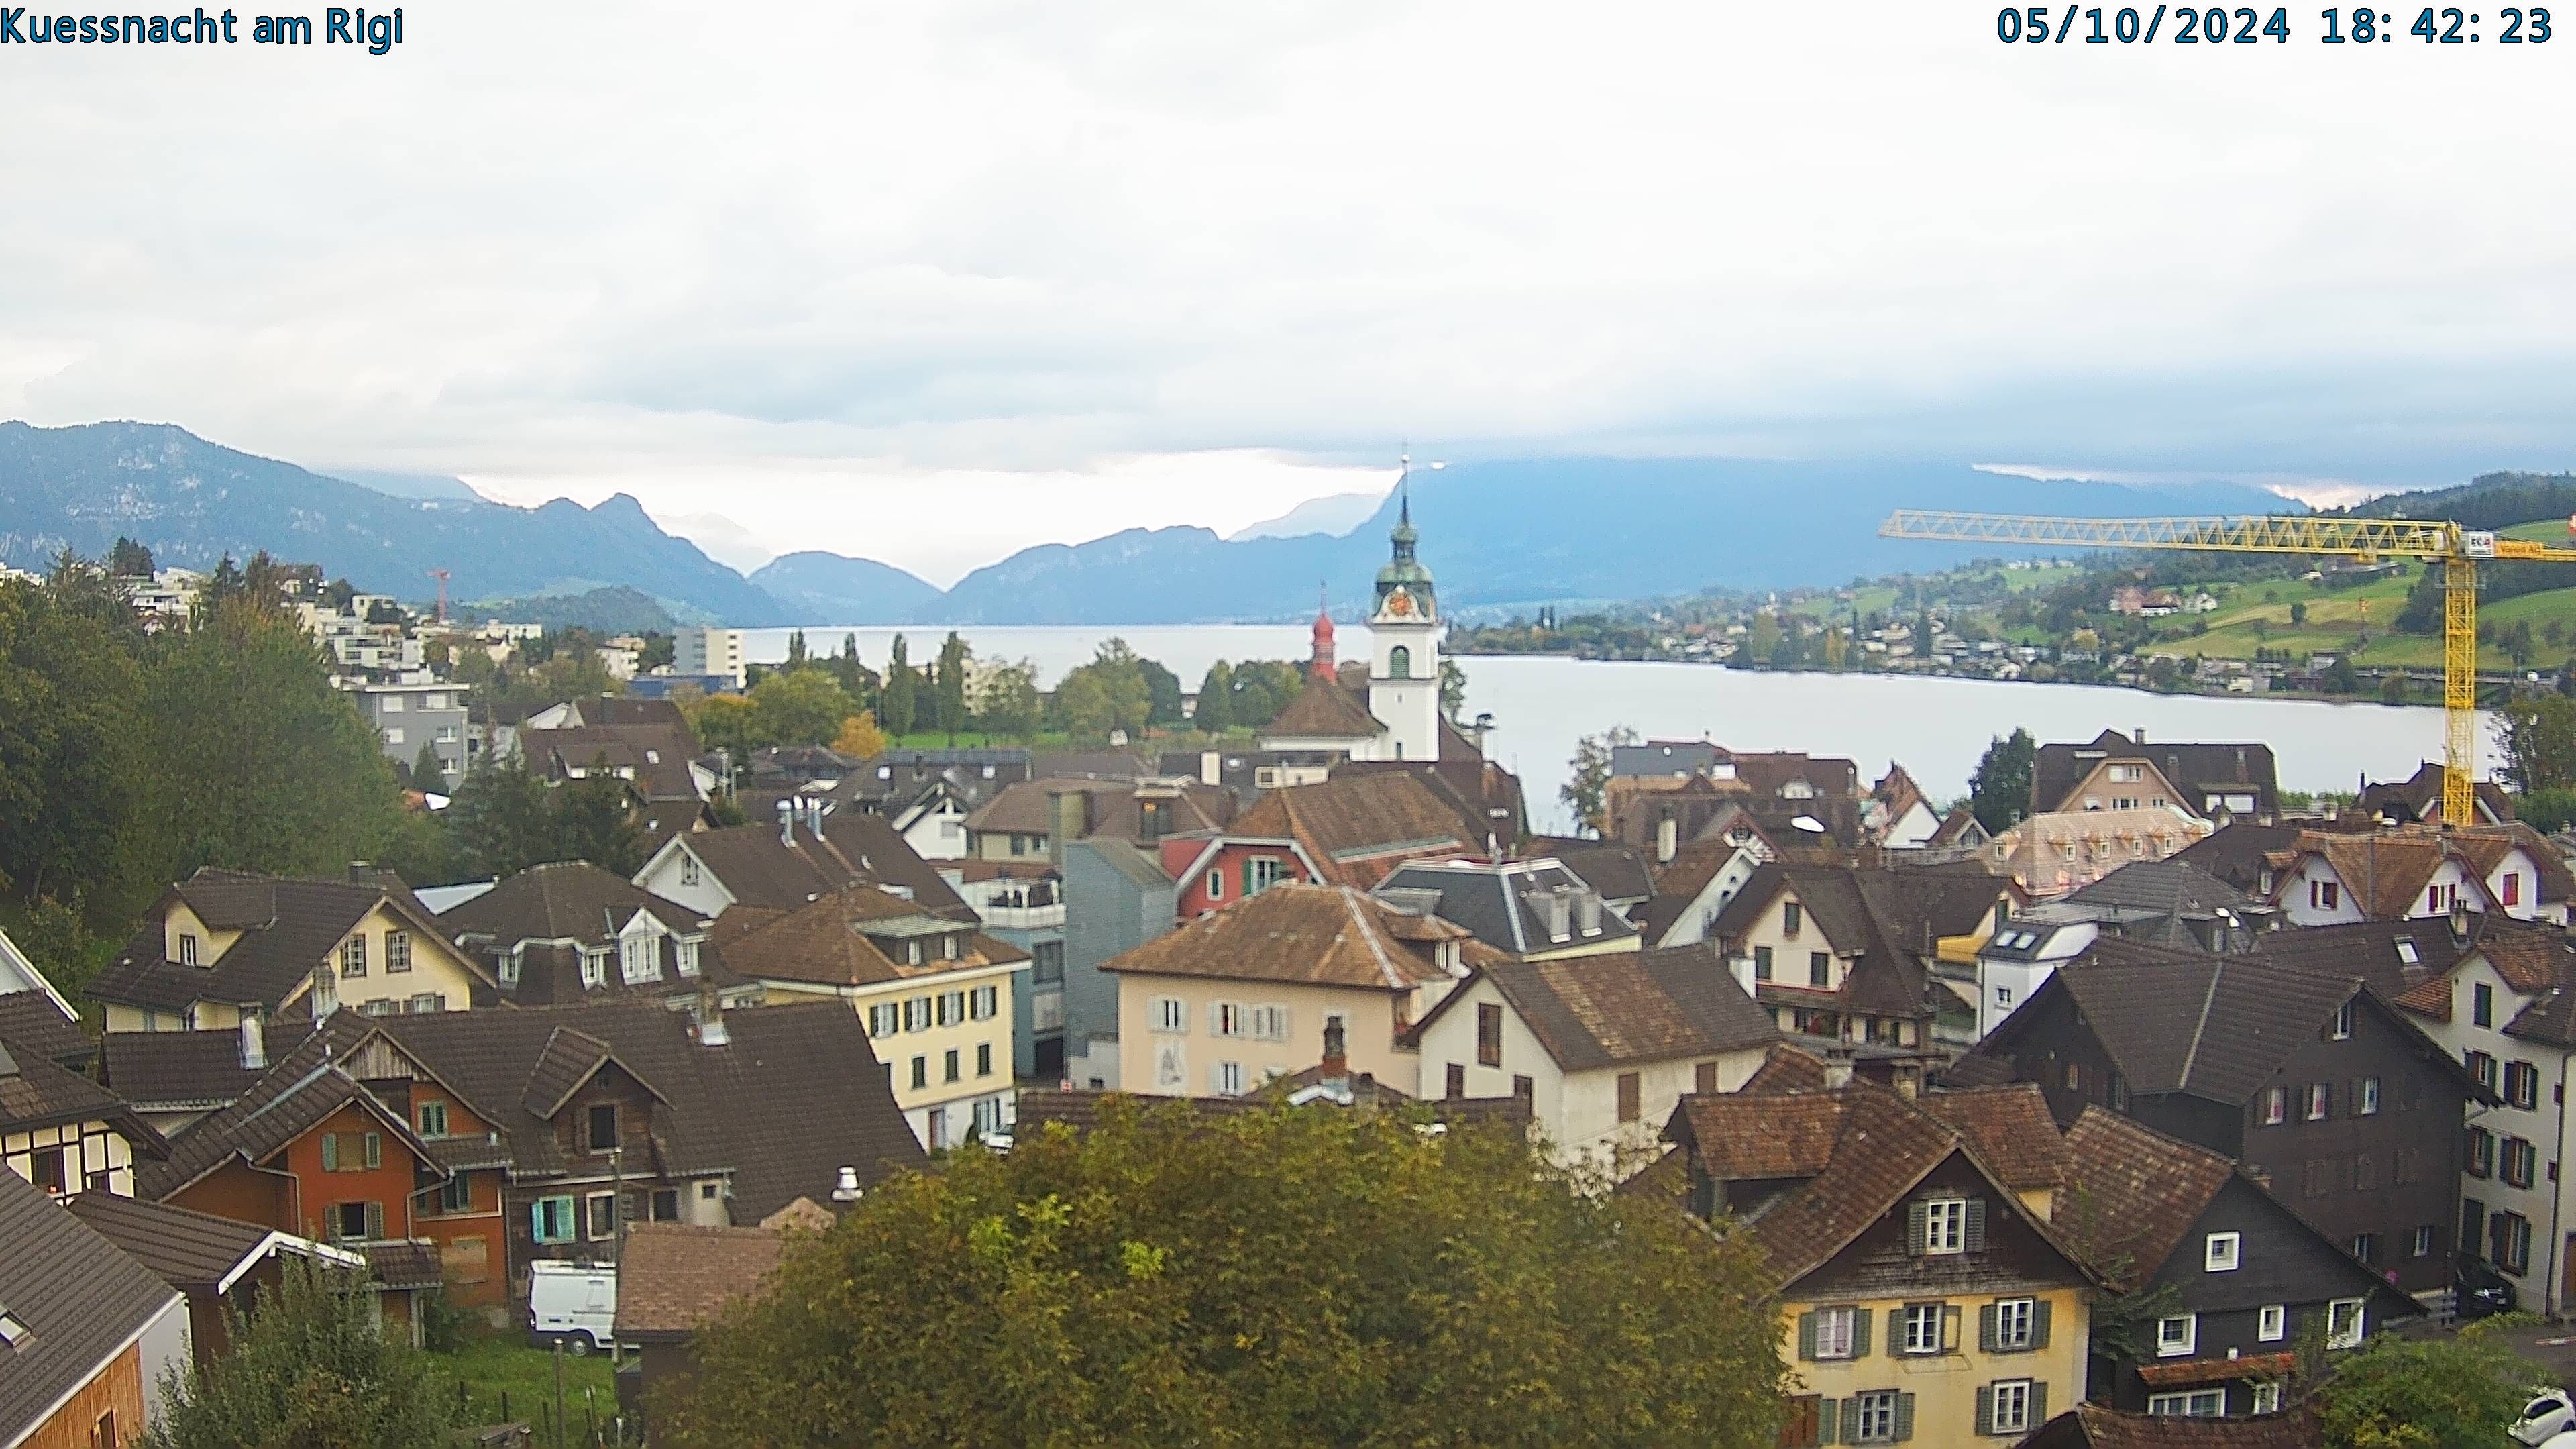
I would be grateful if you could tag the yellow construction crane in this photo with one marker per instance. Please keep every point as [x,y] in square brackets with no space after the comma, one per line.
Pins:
[2455,548]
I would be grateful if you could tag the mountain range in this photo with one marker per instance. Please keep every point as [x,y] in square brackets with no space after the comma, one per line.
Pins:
[1496,534]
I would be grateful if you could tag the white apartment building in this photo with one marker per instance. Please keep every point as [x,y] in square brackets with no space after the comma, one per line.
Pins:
[704,649]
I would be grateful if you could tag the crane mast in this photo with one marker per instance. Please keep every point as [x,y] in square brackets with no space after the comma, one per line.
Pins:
[2457,550]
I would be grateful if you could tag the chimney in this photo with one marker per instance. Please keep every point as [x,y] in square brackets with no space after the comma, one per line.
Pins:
[787,822]
[1068,820]
[1668,840]
[1741,968]
[362,872]
[1588,912]
[845,1189]
[1559,912]
[711,1022]
[254,1044]
[1337,1059]
[1211,767]
[2138,737]
[2459,921]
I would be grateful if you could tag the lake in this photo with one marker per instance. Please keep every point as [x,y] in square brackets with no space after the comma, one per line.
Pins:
[1937,728]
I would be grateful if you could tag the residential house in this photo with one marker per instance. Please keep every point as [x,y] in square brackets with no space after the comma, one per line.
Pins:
[1623,876]
[480,1141]
[567,931]
[62,1132]
[2161,902]
[2315,1082]
[175,1079]
[2236,852]
[2326,877]
[1023,906]
[223,945]
[927,794]
[87,1335]
[1118,896]
[1898,815]
[1844,958]
[408,716]
[1601,1047]
[1534,909]
[935,994]
[1351,830]
[2060,851]
[649,749]
[35,1016]
[1278,982]
[1786,798]
[674,1281]
[2417,800]
[220,1265]
[1691,890]
[1022,823]
[1924,1292]
[1672,759]
[2505,1009]
[2238,1278]
[812,851]
[2220,783]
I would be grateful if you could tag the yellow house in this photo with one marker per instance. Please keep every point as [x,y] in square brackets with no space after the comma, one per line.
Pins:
[1277,982]
[224,945]
[935,993]
[1924,1295]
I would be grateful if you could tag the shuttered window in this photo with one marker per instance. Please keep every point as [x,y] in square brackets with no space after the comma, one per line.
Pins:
[1629,1107]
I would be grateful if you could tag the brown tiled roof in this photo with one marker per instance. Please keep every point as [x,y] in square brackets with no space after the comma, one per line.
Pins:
[404,1264]
[1627,1006]
[289,1100]
[1117,807]
[1787,1068]
[1887,920]
[2376,951]
[2218,1370]
[1360,827]
[288,928]
[565,900]
[188,1249]
[36,1093]
[1692,867]
[657,755]
[673,1278]
[1294,932]
[1324,711]
[2386,870]
[81,1299]
[2133,1194]
[2010,1129]
[826,942]
[30,1022]
[2093,1426]
[1758,1139]
[175,1068]
[760,868]
[2195,769]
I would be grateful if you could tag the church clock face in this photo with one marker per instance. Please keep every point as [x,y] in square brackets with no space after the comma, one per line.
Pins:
[1400,604]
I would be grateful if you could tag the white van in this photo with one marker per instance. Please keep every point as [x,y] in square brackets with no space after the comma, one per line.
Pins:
[574,1304]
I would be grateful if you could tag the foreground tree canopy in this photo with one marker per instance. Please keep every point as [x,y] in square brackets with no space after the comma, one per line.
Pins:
[1289,1276]
[308,1369]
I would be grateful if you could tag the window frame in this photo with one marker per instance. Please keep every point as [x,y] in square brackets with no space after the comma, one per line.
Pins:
[590,1120]
[1868,1407]
[2020,1389]
[2365,1098]
[2190,1341]
[1945,1227]
[2351,1336]
[2271,1323]
[1841,1347]
[2222,1252]
[1919,1332]
[2190,1401]
[1489,1034]
[1170,1015]
[2016,1324]
[353,956]
[591,1202]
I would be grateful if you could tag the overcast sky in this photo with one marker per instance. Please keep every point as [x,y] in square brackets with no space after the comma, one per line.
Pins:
[930,282]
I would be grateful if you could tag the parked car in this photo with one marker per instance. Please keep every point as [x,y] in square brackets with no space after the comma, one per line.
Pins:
[2550,1417]
[2483,1292]
[574,1304]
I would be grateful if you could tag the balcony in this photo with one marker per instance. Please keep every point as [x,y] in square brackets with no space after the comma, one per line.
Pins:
[1023,918]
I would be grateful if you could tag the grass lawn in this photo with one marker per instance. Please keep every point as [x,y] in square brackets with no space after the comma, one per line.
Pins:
[489,1366]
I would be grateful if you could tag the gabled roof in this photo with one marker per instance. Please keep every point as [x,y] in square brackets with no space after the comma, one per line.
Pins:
[570,1058]
[289,927]
[2174,888]
[1305,934]
[655,756]
[190,1250]
[2011,1130]
[1115,806]
[1358,827]
[1503,903]
[2237,853]
[2097,1426]
[2398,956]
[1786,1068]
[31,1023]
[2135,1193]
[674,1278]
[1324,711]
[1885,921]
[34,1093]
[81,1301]
[173,1069]
[1849,1156]
[850,937]
[2199,769]
[2419,797]
[762,867]
[291,1099]
[2386,871]
[1694,864]
[1591,1012]
[1618,872]
[565,900]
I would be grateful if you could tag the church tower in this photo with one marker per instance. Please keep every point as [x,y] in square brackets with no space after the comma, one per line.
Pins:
[1404,643]
[1321,666]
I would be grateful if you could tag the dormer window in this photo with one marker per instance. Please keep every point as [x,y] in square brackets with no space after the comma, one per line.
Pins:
[187,948]
[687,952]
[1942,1226]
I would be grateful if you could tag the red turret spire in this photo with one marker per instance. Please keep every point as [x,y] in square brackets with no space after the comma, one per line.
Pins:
[1321,668]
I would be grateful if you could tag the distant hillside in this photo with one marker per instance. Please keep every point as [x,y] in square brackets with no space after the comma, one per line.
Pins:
[1336,515]
[1537,530]
[2488,501]
[408,485]
[827,588]
[616,609]
[192,502]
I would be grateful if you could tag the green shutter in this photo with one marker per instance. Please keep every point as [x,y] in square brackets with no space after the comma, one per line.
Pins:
[1915,1215]
[1851,1420]
[2038,1329]
[375,1222]
[1860,1332]
[1974,1239]
[1827,1419]
[1986,1332]
[1985,1409]
[1247,875]
[1807,1335]
[1895,1330]
[1904,1417]
[330,1152]
[2038,1400]
[537,1221]
[375,1149]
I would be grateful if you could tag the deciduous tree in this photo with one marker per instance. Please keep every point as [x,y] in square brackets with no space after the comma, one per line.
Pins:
[2538,747]
[1215,713]
[860,738]
[950,684]
[308,1368]
[1999,792]
[2456,1391]
[1587,787]
[1294,1276]
[895,706]
[798,707]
